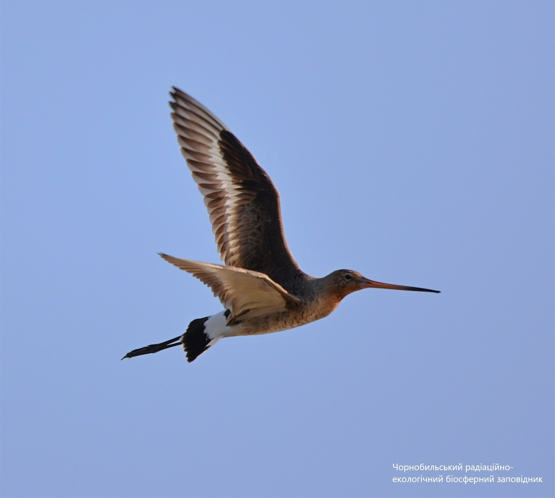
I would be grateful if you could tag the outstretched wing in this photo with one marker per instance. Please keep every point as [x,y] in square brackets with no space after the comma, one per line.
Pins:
[242,201]
[246,293]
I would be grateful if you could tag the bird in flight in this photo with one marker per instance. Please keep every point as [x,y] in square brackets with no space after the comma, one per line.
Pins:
[261,286]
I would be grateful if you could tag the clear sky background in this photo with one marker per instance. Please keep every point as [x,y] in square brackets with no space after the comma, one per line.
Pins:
[411,141]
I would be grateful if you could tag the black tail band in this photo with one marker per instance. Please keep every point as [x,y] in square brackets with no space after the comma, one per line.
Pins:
[195,339]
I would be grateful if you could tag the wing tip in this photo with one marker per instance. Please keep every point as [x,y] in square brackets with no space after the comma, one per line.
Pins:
[176,91]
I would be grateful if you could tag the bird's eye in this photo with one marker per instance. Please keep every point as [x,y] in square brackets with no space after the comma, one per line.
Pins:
[348,276]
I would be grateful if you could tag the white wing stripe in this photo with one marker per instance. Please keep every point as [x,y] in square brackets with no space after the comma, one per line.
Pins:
[200,137]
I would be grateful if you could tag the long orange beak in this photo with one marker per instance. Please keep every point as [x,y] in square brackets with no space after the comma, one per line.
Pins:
[371,284]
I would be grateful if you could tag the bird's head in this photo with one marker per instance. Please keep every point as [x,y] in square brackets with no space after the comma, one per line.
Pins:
[345,282]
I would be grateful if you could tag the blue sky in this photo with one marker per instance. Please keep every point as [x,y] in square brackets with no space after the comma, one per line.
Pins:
[410,141]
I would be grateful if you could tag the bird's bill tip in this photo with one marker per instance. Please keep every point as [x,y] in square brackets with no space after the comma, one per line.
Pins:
[372,284]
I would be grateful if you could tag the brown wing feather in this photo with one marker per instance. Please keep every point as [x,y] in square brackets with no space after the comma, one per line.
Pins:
[242,201]
[248,294]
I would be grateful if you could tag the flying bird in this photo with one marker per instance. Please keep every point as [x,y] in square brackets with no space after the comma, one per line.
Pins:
[261,286]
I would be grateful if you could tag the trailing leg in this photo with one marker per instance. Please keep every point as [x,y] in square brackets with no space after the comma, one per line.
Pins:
[154,348]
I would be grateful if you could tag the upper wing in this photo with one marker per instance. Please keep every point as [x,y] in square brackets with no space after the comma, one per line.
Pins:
[242,201]
[246,293]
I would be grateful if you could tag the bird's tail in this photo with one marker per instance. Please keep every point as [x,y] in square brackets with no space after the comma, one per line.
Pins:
[195,341]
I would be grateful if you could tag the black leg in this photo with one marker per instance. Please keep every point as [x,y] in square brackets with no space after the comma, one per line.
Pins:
[154,348]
